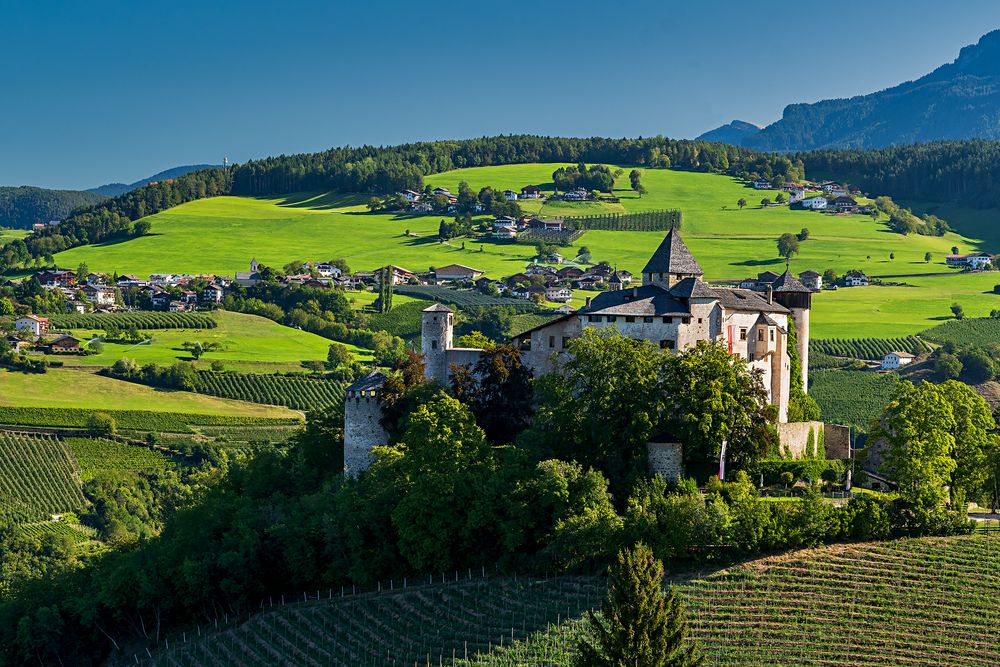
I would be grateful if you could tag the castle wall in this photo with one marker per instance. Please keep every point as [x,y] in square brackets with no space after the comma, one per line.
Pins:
[801,316]
[463,356]
[362,431]
[548,345]
[666,459]
[836,439]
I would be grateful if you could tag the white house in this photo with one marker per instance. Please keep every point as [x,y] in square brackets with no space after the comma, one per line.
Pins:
[761,184]
[101,295]
[976,260]
[510,195]
[811,279]
[531,192]
[895,360]
[856,279]
[558,294]
[409,196]
[37,326]
[814,203]
[505,232]
[456,272]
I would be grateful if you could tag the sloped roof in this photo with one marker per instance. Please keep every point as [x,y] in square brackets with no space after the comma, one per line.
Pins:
[786,282]
[648,300]
[766,321]
[746,300]
[689,288]
[438,308]
[673,256]
[372,381]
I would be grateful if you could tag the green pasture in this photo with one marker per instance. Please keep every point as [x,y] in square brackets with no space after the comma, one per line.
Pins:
[249,343]
[82,388]
[222,234]
[12,234]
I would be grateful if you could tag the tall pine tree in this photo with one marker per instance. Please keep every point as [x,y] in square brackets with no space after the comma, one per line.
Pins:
[640,627]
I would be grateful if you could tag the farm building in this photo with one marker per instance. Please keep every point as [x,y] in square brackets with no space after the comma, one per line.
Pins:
[811,279]
[976,260]
[895,360]
[64,345]
[814,203]
[35,325]
[456,272]
[855,279]
[531,192]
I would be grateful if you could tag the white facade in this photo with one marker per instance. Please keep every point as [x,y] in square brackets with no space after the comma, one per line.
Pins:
[37,326]
[895,360]
[814,203]
[856,280]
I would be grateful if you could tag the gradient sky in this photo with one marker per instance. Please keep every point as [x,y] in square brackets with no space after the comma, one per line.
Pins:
[103,91]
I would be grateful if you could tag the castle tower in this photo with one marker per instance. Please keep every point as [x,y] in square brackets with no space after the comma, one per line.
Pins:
[362,422]
[795,296]
[436,331]
[671,263]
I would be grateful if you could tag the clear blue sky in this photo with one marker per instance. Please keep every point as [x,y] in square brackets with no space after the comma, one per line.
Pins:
[104,91]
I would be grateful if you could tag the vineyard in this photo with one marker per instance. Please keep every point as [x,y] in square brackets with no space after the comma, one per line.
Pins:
[146,319]
[136,420]
[551,237]
[74,532]
[966,332]
[645,221]
[870,349]
[37,478]
[462,298]
[851,398]
[297,392]
[403,320]
[99,455]
[922,602]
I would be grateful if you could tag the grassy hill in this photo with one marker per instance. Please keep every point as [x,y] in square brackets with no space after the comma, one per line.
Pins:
[249,343]
[222,234]
[927,601]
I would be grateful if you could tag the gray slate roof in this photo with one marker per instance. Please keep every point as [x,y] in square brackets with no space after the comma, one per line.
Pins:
[438,308]
[370,382]
[786,282]
[673,256]
[692,288]
[746,300]
[648,300]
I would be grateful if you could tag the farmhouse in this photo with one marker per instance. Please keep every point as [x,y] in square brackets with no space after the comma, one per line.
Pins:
[409,196]
[399,274]
[37,326]
[531,192]
[64,345]
[814,203]
[212,293]
[977,260]
[577,194]
[812,280]
[101,296]
[510,195]
[546,225]
[558,294]
[456,272]
[895,360]
[844,204]
[855,279]
[761,184]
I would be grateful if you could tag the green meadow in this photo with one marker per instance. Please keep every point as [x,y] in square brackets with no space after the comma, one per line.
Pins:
[222,234]
[11,234]
[82,388]
[248,343]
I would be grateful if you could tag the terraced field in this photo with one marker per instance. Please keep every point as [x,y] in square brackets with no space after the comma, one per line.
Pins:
[98,455]
[919,602]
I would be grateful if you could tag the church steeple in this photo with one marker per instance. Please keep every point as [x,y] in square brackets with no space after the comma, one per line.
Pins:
[671,263]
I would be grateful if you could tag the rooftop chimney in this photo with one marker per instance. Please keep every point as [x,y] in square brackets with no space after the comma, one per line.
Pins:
[588,302]
[770,294]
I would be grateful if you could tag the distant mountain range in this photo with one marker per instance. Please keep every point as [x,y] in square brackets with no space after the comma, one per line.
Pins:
[115,189]
[960,100]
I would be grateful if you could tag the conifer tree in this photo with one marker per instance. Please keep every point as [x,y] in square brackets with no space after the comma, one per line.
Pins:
[641,627]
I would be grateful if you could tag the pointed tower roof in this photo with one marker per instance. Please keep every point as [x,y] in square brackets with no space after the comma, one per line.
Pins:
[786,282]
[438,308]
[673,256]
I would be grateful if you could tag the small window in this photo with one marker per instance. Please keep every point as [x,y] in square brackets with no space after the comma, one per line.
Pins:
[743,333]
[629,318]
[566,340]
[667,344]
[760,334]
[668,320]
[699,320]
[647,320]
[612,318]
[434,345]
[552,341]
[593,318]
[772,335]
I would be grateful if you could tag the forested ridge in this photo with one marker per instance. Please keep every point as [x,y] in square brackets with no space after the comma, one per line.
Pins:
[21,207]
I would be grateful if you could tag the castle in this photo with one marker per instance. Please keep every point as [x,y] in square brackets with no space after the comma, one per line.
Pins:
[672,308]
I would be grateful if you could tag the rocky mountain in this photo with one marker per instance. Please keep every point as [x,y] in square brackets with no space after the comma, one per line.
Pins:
[731,133]
[115,189]
[960,100]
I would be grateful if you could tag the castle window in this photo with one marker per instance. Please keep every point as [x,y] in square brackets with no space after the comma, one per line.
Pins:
[629,318]
[593,318]
[760,334]
[668,320]
[434,345]
[566,340]
[647,320]
[552,341]
[667,344]
[743,333]
[612,318]
[772,335]
[699,320]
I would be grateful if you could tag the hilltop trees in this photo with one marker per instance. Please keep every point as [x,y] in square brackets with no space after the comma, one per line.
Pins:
[594,177]
[638,625]
[635,178]
[788,245]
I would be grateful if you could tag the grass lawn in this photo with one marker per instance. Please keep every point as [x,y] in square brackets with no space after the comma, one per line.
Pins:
[82,388]
[12,234]
[249,343]
[222,234]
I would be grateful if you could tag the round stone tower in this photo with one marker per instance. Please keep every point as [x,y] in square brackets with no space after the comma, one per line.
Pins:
[796,297]
[436,332]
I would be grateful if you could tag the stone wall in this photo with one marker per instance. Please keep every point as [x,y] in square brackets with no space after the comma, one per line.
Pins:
[362,431]
[838,441]
[666,459]
[794,437]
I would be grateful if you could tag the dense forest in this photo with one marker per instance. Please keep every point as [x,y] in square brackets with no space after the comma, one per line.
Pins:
[22,207]
[967,172]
